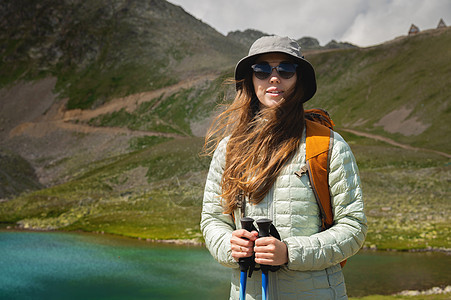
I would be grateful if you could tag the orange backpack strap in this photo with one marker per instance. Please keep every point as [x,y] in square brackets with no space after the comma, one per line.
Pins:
[318,142]
[318,146]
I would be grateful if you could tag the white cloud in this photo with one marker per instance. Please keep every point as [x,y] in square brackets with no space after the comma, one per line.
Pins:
[384,22]
[362,22]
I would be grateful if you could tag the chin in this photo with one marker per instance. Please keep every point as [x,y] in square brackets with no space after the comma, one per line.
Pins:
[273,103]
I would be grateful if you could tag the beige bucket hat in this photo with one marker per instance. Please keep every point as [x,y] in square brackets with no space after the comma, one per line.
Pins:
[268,44]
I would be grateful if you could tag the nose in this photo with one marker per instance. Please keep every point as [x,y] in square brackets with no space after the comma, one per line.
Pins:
[274,77]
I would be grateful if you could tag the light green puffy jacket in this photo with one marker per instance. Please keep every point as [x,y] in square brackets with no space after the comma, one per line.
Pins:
[313,270]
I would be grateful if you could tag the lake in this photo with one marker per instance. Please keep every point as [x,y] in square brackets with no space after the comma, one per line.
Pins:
[53,265]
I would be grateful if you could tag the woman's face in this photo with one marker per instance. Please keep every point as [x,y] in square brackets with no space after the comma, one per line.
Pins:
[272,90]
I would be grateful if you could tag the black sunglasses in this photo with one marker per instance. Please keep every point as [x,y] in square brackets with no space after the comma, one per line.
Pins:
[285,70]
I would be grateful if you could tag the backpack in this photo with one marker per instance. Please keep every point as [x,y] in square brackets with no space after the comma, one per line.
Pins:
[318,147]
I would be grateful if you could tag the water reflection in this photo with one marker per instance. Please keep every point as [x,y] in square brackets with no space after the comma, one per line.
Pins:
[390,272]
[85,266]
[78,266]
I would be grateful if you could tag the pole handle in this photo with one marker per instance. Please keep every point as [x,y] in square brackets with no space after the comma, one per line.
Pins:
[263,227]
[246,223]
[263,231]
[246,262]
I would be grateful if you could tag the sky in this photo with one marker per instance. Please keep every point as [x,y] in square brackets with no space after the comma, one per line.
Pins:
[360,22]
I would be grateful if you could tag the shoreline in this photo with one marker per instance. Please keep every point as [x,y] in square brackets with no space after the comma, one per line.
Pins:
[403,294]
[194,242]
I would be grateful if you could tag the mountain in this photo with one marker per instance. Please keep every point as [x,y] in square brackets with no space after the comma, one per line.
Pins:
[99,50]
[309,43]
[333,44]
[398,89]
[103,106]
[248,36]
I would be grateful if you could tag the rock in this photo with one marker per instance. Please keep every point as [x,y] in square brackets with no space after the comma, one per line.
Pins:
[431,291]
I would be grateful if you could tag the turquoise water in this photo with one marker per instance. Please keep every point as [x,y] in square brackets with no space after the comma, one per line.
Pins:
[84,266]
[78,266]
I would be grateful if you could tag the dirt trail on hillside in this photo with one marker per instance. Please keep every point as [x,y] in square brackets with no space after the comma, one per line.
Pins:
[57,117]
[392,142]
[132,102]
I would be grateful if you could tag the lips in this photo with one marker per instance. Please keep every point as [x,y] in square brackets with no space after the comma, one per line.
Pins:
[273,91]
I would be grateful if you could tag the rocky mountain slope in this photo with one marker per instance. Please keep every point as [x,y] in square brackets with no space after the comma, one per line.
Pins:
[16,175]
[98,50]
[103,106]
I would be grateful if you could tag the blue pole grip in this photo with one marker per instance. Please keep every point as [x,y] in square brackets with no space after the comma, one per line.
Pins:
[263,229]
[243,280]
[264,286]
[246,223]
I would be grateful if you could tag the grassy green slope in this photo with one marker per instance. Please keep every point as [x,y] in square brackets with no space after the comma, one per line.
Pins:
[361,86]
[164,205]
[173,113]
[406,193]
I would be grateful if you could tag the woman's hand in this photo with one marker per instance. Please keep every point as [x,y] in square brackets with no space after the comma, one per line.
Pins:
[270,251]
[242,243]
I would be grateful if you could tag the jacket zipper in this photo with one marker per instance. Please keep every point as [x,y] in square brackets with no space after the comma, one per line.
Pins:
[271,204]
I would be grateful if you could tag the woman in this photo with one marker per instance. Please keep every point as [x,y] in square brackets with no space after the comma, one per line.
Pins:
[259,144]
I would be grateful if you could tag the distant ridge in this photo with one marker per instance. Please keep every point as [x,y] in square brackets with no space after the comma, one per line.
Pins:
[248,36]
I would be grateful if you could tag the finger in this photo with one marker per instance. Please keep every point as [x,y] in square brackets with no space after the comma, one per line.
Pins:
[249,250]
[272,254]
[265,241]
[270,261]
[263,249]
[241,245]
[238,255]
[264,258]
[242,233]
[242,242]
[264,255]
[240,252]
[238,232]
[252,236]
[242,249]
[255,234]
[264,261]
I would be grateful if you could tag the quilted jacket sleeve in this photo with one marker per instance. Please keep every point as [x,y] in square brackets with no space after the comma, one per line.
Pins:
[217,227]
[344,239]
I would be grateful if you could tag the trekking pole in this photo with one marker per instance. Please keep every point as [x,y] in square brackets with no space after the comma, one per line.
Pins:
[246,223]
[263,230]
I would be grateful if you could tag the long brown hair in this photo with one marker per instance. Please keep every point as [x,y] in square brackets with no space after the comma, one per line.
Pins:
[261,141]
